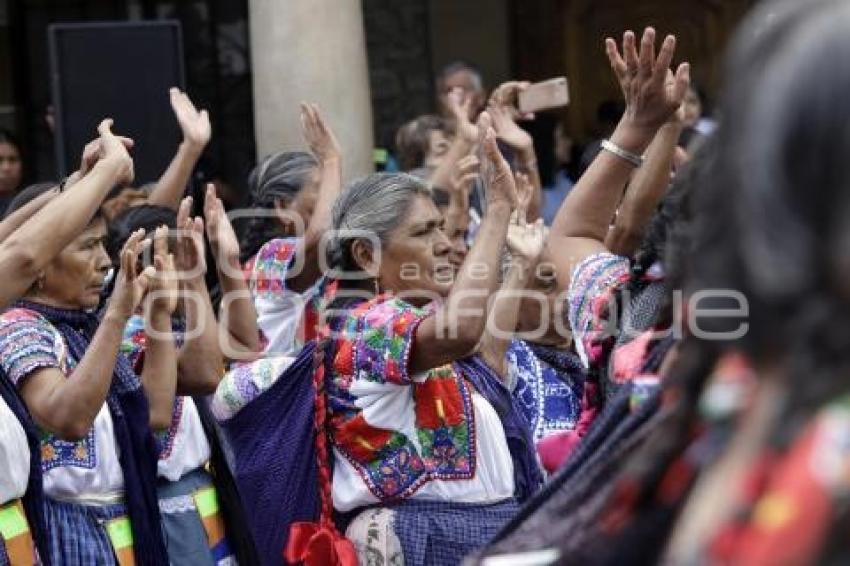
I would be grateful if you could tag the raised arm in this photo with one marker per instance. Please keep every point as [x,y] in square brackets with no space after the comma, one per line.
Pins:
[199,360]
[27,250]
[457,214]
[502,109]
[525,243]
[159,375]
[65,406]
[197,131]
[455,330]
[466,136]
[238,317]
[324,145]
[645,190]
[651,95]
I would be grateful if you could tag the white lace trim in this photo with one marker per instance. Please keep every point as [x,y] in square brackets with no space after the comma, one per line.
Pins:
[179,504]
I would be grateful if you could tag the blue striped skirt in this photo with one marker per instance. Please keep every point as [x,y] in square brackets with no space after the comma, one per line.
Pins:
[77,533]
[185,537]
[441,533]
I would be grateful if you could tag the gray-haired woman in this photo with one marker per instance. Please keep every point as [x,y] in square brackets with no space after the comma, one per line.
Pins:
[424,461]
[293,193]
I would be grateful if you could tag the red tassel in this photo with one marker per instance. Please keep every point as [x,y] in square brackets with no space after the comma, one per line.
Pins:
[314,545]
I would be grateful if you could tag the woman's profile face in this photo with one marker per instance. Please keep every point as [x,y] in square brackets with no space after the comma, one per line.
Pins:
[415,260]
[302,206]
[75,277]
[11,168]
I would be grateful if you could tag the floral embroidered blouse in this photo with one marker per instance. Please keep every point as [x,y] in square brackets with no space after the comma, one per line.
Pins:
[551,400]
[87,469]
[395,435]
[183,447]
[287,319]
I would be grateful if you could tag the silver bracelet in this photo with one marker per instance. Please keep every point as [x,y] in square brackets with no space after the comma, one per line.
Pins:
[632,158]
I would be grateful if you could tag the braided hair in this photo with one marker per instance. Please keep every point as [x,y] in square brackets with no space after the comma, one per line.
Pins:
[276,179]
[374,205]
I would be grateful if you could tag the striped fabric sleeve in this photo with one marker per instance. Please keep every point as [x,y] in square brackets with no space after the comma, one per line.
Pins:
[591,287]
[27,343]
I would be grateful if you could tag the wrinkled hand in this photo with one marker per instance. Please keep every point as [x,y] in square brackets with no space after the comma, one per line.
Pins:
[130,287]
[194,124]
[498,180]
[113,153]
[164,286]
[319,137]
[222,237]
[190,259]
[651,93]
[506,96]
[93,152]
[459,103]
[527,240]
[464,174]
[507,130]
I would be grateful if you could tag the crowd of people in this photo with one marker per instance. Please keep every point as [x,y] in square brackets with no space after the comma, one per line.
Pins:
[428,368]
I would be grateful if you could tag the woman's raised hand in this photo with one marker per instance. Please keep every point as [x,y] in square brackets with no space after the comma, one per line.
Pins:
[498,179]
[527,240]
[650,91]
[189,252]
[318,135]
[220,232]
[130,286]
[459,103]
[464,174]
[194,124]
[164,285]
[113,153]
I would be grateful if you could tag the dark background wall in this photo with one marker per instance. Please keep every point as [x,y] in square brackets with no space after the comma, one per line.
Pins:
[407,42]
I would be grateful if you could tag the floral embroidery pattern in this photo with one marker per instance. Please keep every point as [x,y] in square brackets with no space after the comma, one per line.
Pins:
[266,274]
[266,271]
[373,344]
[56,453]
[550,402]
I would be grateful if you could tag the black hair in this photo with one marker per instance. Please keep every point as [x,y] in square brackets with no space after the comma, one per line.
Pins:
[277,178]
[147,216]
[8,137]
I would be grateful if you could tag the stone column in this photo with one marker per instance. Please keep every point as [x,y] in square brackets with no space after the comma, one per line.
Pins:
[315,51]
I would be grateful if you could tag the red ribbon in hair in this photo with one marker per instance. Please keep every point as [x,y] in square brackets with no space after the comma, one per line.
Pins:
[320,543]
[313,544]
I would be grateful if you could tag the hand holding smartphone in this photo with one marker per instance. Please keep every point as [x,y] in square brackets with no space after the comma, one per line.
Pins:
[545,95]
